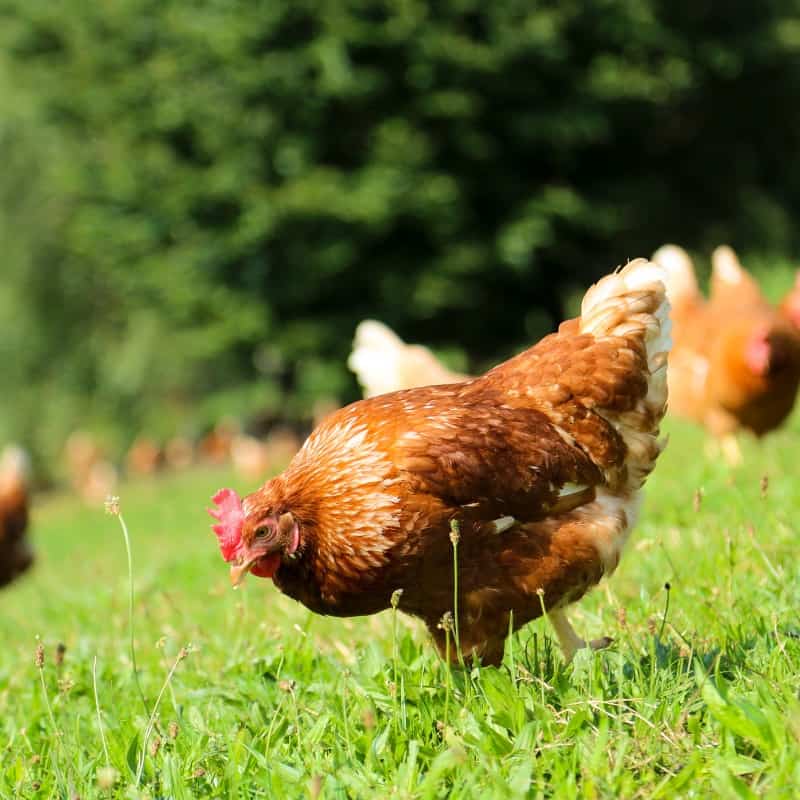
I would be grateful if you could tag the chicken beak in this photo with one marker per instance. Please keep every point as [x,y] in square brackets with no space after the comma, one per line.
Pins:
[239,572]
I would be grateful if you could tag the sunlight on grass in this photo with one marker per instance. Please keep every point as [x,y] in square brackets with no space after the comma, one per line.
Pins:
[697,700]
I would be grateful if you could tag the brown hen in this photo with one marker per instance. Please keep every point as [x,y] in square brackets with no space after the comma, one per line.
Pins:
[540,461]
[735,363]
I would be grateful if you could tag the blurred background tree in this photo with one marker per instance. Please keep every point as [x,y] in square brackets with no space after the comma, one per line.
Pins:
[198,202]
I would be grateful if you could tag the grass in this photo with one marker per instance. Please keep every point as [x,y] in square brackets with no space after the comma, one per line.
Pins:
[268,700]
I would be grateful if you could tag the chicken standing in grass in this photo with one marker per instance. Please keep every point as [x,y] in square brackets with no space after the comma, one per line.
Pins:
[735,364]
[540,461]
[16,555]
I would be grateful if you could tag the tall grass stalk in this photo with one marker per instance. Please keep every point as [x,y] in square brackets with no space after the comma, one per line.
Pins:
[99,715]
[275,717]
[345,715]
[447,625]
[112,507]
[667,587]
[56,736]
[455,537]
[296,718]
[540,595]
[395,602]
[511,645]
[152,721]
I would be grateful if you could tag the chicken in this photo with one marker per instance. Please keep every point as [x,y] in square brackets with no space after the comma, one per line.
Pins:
[282,444]
[16,555]
[81,451]
[145,456]
[249,456]
[539,462]
[253,457]
[179,453]
[735,364]
[215,447]
[383,362]
[92,475]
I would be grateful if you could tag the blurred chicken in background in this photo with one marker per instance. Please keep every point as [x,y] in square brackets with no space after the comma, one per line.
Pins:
[145,456]
[253,457]
[383,362]
[179,453]
[215,447]
[249,456]
[91,474]
[735,362]
[16,555]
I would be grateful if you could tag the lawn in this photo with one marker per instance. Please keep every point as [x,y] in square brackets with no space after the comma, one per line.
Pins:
[698,697]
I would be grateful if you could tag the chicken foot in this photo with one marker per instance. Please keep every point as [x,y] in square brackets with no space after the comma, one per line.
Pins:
[726,446]
[731,450]
[569,641]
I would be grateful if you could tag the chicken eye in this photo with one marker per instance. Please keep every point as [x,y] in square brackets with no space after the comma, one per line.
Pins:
[263,531]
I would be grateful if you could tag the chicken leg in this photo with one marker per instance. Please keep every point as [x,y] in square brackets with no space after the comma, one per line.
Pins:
[726,446]
[731,450]
[569,641]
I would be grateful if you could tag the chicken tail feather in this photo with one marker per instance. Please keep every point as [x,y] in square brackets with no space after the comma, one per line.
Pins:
[632,304]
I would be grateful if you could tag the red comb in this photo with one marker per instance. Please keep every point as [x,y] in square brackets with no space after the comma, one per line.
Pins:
[758,352]
[230,513]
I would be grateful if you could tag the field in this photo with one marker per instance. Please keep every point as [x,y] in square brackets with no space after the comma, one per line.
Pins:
[698,697]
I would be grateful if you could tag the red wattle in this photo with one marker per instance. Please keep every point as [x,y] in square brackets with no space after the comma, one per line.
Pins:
[267,566]
[757,354]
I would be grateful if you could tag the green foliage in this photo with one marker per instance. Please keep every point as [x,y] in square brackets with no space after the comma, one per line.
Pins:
[272,701]
[197,196]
